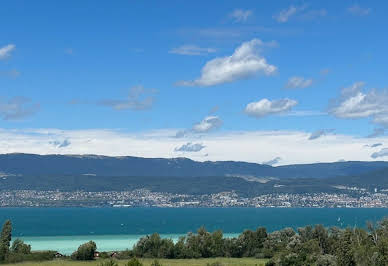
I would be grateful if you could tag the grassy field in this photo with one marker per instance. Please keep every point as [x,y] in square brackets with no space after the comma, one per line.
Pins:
[147,262]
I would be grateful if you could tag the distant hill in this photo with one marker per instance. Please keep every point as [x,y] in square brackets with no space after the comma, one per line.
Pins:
[32,164]
[180,175]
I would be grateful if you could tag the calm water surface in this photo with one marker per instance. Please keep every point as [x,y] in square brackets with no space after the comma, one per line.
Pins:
[64,229]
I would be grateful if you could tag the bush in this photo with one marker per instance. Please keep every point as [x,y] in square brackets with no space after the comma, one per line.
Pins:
[33,256]
[109,263]
[85,251]
[134,262]
[156,263]
[18,246]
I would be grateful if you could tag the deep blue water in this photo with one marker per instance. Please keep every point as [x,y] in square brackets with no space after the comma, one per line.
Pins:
[134,221]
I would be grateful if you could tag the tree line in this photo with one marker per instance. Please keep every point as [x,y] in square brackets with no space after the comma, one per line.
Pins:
[309,245]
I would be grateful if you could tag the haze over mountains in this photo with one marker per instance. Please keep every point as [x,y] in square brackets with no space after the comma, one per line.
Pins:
[102,173]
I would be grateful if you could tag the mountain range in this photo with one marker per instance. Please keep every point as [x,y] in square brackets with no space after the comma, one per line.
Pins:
[104,173]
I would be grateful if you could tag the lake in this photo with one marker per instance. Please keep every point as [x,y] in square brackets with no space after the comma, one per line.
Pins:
[64,229]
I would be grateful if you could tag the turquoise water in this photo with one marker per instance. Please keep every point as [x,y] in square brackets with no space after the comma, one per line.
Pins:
[64,229]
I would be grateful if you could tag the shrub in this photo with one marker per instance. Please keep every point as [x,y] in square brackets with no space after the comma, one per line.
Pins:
[85,251]
[156,263]
[134,262]
[18,246]
[109,263]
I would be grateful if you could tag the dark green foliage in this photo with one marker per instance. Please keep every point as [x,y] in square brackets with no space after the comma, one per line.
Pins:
[33,256]
[109,263]
[134,262]
[18,246]
[154,247]
[85,251]
[5,239]
[156,263]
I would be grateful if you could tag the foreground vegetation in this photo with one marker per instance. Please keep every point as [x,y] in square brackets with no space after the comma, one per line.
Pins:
[310,245]
[148,262]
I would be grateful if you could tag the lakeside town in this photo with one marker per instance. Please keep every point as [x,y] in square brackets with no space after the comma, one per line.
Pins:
[146,198]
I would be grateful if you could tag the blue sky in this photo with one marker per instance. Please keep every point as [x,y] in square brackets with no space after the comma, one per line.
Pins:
[134,67]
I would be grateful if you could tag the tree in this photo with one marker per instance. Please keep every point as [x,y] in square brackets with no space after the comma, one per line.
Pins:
[345,252]
[6,234]
[85,251]
[5,239]
[18,246]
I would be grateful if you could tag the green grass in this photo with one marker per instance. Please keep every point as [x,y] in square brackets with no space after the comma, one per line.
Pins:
[147,262]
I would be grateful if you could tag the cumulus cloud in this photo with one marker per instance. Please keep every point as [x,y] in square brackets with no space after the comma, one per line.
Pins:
[266,107]
[17,108]
[320,133]
[61,144]
[355,103]
[357,10]
[5,51]
[298,83]
[245,62]
[209,123]
[381,153]
[190,147]
[139,98]
[191,50]
[273,161]
[241,15]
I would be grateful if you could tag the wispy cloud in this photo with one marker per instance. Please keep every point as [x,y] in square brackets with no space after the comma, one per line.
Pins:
[355,103]
[298,82]
[244,63]
[266,107]
[17,108]
[139,98]
[10,74]
[376,133]
[241,15]
[301,12]
[6,51]
[381,153]
[61,144]
[357,10]
[190,147]
[192,50]
[209,123]
[373,145]
[320,133]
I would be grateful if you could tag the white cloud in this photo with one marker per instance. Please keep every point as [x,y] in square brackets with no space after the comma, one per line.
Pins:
[357,10]
[191,50]
[5,51]
[285,14]
[266,107]
[209,123]
[299,11]
[381,153]
[320,133]
[298,82]
[245,62]
[241,15]
[355,103]
[190,147]
[139,98]
[251,146]
[17,108]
